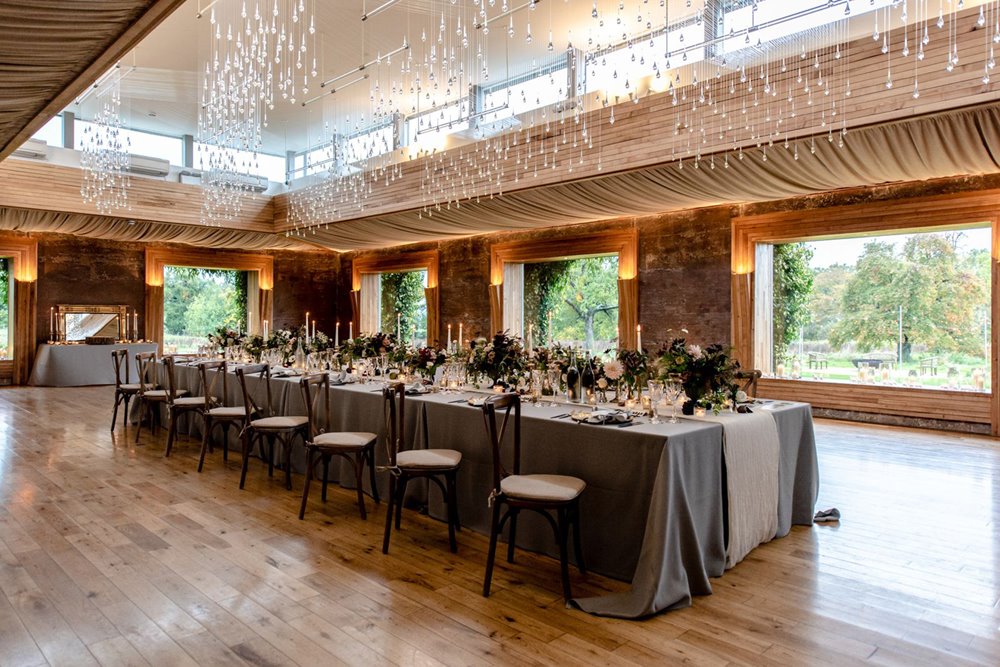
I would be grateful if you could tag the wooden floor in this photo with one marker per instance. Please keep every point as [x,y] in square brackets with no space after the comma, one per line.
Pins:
[110,554]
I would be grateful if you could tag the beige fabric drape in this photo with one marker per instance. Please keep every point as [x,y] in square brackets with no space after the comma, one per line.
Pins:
[431,295]
[513,298]
[371,303]
[254,325]
[355,312]
[947,144]
[763,302]
[628,312]
[97,226]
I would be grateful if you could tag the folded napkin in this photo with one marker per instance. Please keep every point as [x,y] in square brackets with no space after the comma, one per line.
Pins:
[751,449]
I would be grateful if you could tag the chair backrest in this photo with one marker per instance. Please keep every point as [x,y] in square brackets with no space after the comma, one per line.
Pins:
[316,394]
[749,378]
[120,359]
[145,366]
[263,373]
[213,374]
[168,367]
[393,401]
[510,406]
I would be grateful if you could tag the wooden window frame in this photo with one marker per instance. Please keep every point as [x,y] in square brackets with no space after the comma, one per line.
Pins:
[427,260]
[918,214]
[624,243]
[23,306]
[157,258]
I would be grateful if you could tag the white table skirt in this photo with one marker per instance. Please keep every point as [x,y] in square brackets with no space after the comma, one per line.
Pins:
[80,365]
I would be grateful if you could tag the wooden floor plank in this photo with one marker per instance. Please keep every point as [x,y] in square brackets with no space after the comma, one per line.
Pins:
[112,555]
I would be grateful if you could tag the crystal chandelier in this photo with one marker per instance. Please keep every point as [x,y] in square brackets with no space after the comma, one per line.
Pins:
[737,78]
[105,154]
[255,54]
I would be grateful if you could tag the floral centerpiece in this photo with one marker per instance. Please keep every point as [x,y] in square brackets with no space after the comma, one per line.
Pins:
[373,345]
[634,366]
[284,341]
[254,345]
[319,342]
[425,361]
[501,359]
[707,375]
[226,337]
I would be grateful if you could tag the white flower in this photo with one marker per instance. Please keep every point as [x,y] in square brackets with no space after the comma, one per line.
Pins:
[741,396]
[602,383]
[613,369]
[430,364]
[694,351]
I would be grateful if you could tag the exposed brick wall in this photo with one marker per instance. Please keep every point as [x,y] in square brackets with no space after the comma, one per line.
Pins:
[76,270]
[307,282]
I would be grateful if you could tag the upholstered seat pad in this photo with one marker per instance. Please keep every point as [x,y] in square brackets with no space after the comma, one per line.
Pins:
[162,393]
[345,440]
[227,412]
[187,401]
[278,423]
[128,387]
[542,487]
[428,458]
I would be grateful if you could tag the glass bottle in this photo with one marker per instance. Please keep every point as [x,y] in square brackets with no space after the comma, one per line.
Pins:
[573,379]
[587,381]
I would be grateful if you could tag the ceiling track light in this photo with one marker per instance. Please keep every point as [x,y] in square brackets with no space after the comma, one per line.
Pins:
[381,8]
[334,90]
[362,68]
[487,21]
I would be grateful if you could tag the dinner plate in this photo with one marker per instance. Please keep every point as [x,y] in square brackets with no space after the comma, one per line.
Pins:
[477,402]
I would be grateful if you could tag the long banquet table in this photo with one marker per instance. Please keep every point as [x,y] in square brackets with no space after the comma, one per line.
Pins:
[77,365]
[653,512]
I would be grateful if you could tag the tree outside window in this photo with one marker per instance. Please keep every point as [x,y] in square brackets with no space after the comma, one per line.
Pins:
[403,293]
[198,301]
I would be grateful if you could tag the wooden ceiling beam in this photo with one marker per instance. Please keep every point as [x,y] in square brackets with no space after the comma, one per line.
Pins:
[156,12]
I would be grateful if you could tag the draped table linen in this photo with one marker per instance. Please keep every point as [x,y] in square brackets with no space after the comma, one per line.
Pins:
[81,365]
[653,511]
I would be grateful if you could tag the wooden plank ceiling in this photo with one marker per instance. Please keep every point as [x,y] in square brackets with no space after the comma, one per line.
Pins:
[51,50]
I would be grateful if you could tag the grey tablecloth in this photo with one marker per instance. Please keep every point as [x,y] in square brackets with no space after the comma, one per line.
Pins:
[80,365]
[653,510]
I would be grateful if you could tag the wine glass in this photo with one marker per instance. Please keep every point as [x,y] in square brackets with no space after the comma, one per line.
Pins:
[674,390]
[555,377]
[655,396]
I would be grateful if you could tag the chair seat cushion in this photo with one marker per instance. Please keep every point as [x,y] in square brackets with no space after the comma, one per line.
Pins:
[542,487]
[188,401]
[227,412]
[128,387]
[162,393]
[345,440]
[428,458]
[279,423]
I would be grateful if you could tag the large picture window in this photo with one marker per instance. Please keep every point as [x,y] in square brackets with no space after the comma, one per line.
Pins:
[197,301]
[6,334]
[901,309]
[403,305]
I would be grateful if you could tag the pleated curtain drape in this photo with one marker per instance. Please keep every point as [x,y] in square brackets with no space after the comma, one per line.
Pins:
[371,303]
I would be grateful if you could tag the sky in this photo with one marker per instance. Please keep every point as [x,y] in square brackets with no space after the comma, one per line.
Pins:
[847,251]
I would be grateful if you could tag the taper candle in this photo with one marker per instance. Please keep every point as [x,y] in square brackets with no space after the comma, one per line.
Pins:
[265,330]
[350,330]
[449,338]
[531,336]
[550,328]
[336,335]
[461,343]
[399,324]
[52,324]
[638,337]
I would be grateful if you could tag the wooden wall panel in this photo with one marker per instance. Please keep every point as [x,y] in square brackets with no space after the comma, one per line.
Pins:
[25,306]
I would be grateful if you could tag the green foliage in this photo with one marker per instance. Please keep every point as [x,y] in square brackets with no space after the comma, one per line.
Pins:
[582,295]
[793,282]
[403,293]
[825,299]
[197,301]
[544,283]
[938,290]
[4,305]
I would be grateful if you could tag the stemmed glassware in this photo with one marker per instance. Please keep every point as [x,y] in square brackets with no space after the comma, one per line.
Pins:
[674,390]
[655,396]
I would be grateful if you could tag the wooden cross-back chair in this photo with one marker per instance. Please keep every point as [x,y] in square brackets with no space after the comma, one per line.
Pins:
[322,445]
[149,395]
[747,379]
[125,389]
[543,494]
[215,382]
[439,466]
[177,402]
[263,426]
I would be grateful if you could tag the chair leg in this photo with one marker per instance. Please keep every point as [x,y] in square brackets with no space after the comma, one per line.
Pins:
[577,549]
[309,475]
[371,473]
[359,477]
[206,440]
[247,442]
[128,397]
[450,486]
[400,496]
[492,554]
[114,415]
[512,535]
[326,474]
[143,409]
[286,446]
[171,431]
[388,513]
[270,455]
[563,559]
